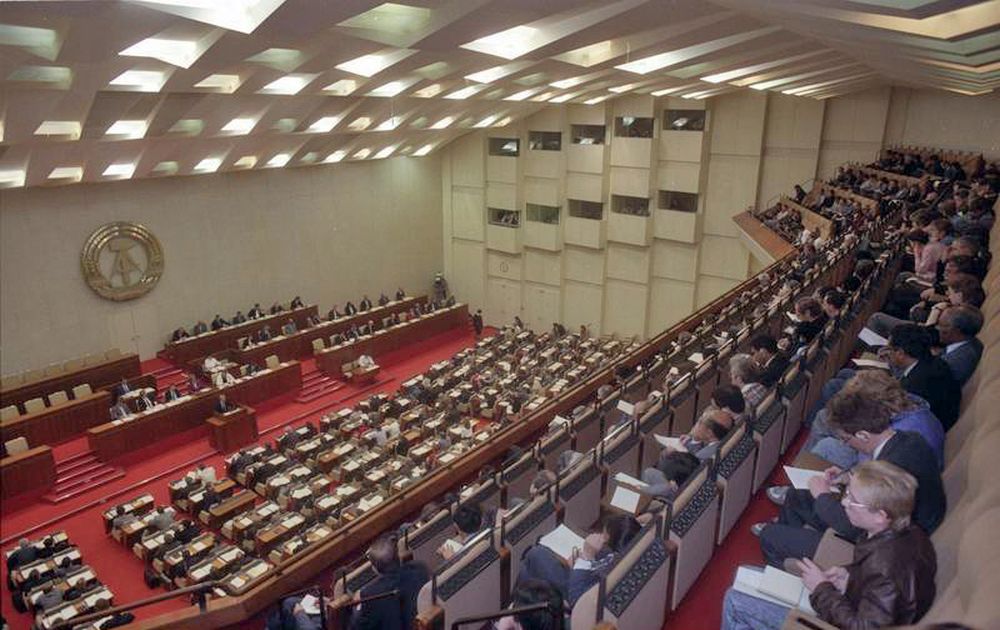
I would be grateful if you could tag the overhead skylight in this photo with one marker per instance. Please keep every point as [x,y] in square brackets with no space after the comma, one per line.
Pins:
[13,178]
[247,161]
[503,122]
[59,77]
[497,72]
[509,44]
[621,89]
[243,16]
[523,94]
[284,125]
[444,123]
[121,170]
[239,126]
[336,156]
[285,59]
[43,42]
[130,129]
[424,150]
[224,83]
[420,122]
[390,123]
[597,99]
[208,165]
[324,124]
[434,71]
[386,152]
[370,65]
[67,174]
[169,167]
[176,52]
[486,122]
[391,18]
[360,124]
[393,88]
[565,84]
[342,87]
[562,98]
[309,158]
[465,92]
[531,80]
[65,129]
[723,77]
[362,154]
[187,126]
[671,90]
[289,84]
[430,91]
[673,57]
[279,160]
[141,80]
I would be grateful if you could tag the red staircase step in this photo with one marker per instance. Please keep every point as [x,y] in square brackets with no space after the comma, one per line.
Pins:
[64,476]
[65,491]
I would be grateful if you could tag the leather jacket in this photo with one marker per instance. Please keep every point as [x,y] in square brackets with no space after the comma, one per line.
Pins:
[891,582]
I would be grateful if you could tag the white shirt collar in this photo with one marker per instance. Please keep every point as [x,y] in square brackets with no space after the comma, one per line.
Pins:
[878,449]
[955,346]
[909,369]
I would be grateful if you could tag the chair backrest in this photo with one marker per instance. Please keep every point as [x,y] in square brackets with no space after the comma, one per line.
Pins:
[15,446]
[580,493]
[424,541]
[53,369]
[113,353]
[692,529]
[552,446]
[517,477]
[467,585]
[587,430]
[631,596]
[34,375]
[272,361]
[486,494]
[734,474]
[620,450]
[9,412]
[82,390]
[318,344]
[93,358]
[34,405]
[11,380]
[352,581]
[73,365]
[522,528]
[58,398]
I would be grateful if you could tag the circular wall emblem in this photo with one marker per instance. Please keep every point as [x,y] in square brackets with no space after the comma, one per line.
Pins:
[122,261]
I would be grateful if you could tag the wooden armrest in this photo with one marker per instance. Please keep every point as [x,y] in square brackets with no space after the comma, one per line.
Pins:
[798,620]
[430,619]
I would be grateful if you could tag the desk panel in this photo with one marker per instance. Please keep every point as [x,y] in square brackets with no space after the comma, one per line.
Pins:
[53,425]
[97,376]
[34,469]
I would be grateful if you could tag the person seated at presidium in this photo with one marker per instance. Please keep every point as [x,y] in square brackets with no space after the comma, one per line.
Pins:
[179,334]
[218,323]
[256,312]
[889,583]
[365,304]
[383,299]
[400,294]
[350,309]
[289,328]
[296,303]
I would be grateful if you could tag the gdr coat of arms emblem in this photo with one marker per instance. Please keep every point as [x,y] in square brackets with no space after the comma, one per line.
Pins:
[122,261]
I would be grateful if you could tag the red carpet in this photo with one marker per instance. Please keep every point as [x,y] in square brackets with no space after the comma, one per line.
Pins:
[116,566]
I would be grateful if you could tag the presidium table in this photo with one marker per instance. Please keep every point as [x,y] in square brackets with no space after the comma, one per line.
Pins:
[332,359]
[198,346]
[119,437]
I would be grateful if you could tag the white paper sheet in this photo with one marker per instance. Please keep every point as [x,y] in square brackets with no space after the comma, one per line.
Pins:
[561,541]
[872,338]
[625,499]
[869,363]
[799,477]
[669,442]
[748,580]
[629,480]
[626,407]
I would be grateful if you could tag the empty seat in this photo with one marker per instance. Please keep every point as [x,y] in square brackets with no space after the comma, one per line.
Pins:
[272,361]
[33,375]
[11,381]
[656,421]
[631,595]
[620,450]
[523,526]
[552,446]
[691,529]
[9,412]
[318,345]
[734,477]
[82,390]
[93,358]
[113,353]
[486,494]
[34,405]
[517,477]
[580,494]
[468,585]
[58,398]
[73,365]
[15,446]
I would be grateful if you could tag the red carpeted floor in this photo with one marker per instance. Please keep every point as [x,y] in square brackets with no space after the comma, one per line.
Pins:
[149,470]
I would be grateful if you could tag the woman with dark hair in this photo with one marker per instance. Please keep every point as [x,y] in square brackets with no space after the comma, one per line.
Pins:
[600,552]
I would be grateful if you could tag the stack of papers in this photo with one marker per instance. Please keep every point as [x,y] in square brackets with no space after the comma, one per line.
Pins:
[562,541]
[673,443]
[625,500]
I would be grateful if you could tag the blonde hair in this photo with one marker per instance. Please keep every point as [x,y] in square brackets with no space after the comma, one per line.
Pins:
[887,487]
[881,386]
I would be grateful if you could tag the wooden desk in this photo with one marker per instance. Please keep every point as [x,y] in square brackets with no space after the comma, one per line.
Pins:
[236,504]
[299,345]
[231,431]
[97,376]
[330,361]
[210,342]
[34,469]
[53,425]
[112,440]
[762,240]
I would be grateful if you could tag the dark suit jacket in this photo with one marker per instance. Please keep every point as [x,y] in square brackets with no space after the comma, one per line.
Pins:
[933,381]
[911,452]
[386,614]
[964,359]
[775,368]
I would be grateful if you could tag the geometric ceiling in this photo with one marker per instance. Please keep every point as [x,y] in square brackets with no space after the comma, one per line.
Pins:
[97,91]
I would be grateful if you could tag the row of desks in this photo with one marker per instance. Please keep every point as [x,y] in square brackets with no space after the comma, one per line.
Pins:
[58,423]
[97,376]
[331,360]
[202,345]
[299,345]
[114,439]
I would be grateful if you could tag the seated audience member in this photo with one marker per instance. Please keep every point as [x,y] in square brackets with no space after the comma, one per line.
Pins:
[194,383]
[163,520]
[200,328]
[21,556]
[391,613]
[111,621]
[703,439]
[218,323]
[277,308]
[172,393]
[365,304]
[863,423]
[256,312]
[239,318]
[957,328]
[729,399]
[50,597]
[907,412]
[672,469]
[383,299]
[923,374]
[468,521]
[206,473]
[743,374]
[179,334]
[528,593]
[889,583]
[119,411]
[350,309]
[333,313]
[600,552]
[811,319]
[400,294]
[833,304]
[264,334]
[289,328]
[121,518]
[300,612]
[771,363]
[296,303]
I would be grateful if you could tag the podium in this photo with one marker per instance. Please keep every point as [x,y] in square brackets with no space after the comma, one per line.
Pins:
[234,429]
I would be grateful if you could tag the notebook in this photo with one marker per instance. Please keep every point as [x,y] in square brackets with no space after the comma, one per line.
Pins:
[561,541]
[625,499]
[799,477]
[629,480]
[870,363]
[872,338]
[770,586]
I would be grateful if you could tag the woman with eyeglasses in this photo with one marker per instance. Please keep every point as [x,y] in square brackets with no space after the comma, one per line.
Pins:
[891,578]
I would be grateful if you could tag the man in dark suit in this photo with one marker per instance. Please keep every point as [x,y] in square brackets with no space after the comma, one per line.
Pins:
[222,405]
[864,423]
[390,613]
[400,294]
[296,303]
[333,313]
[957,329]
[383,299]
[200,328]
[239,318]
[771,362]
[218,322]
[21,556]
[256,312]
[365,304]
[923,374]
[350,309]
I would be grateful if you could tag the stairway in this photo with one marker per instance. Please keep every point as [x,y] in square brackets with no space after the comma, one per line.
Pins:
[81,473]
[165,377]
[315,385]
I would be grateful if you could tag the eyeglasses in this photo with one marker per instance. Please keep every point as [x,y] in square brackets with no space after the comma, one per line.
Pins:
[849,500]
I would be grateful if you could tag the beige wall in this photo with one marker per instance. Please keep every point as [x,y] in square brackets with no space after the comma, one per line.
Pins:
[328,233]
